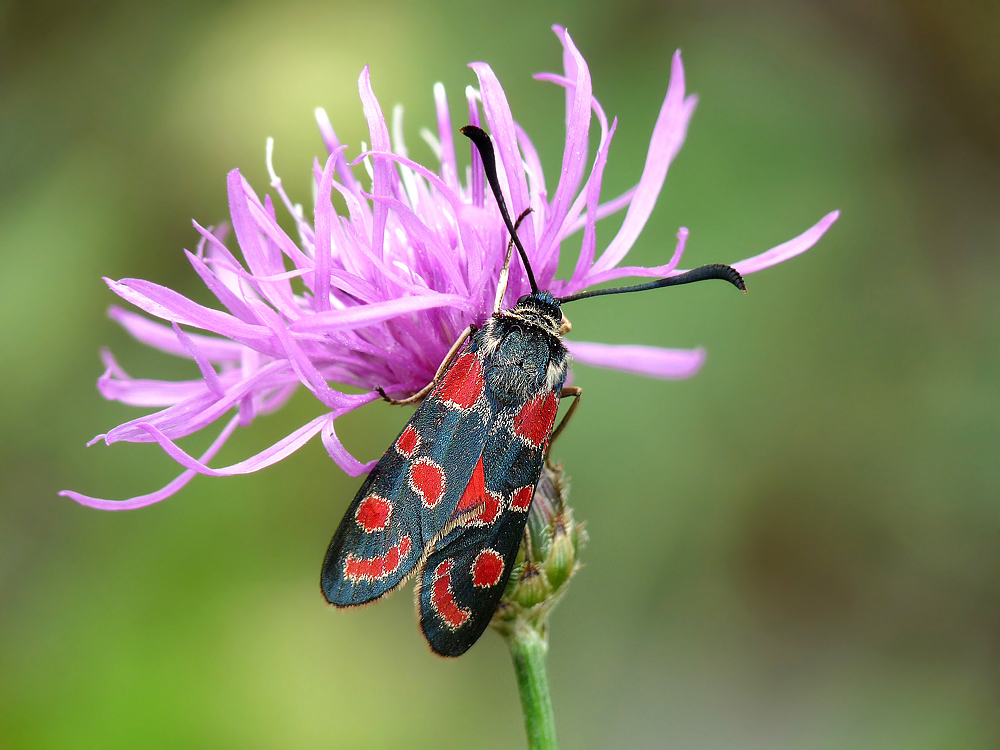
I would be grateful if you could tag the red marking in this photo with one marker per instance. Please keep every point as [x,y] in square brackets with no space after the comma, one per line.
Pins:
[409,442]
[534,422]
[427,480]
[474,490]
[487,569]
[491,509]
[463,383]
[520,500]
[476,496]
[373,568]
[373,513]
[443,600]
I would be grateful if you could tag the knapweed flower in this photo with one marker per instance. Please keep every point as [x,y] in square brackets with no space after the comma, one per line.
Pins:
[377,297]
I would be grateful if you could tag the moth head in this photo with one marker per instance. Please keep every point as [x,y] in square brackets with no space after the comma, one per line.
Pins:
[540,308]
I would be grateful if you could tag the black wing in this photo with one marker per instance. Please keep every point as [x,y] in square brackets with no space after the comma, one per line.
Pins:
[465,574]
[410,497]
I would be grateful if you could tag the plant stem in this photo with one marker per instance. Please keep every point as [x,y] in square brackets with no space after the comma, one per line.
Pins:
[528,649]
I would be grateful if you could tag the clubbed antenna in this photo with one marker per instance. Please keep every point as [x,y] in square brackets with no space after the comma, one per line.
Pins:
[702,273]
[485,145]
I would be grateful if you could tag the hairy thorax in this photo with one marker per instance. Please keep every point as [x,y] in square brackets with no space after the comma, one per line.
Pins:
[526,356]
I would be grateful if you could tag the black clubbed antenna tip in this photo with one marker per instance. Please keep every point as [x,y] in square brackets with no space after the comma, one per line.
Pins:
[485,146]
[702,273]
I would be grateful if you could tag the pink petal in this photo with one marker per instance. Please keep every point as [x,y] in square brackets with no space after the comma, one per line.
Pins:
[789,249]
[504,136]
[271,402]
[333,147]
[478,178]
[207,371]
[116,385]
[303,366]
[325,219]
[578,97]
[256,252]
[669,269]
[161,337]
[201,410]
[668,135]
[604,210]
[223,293]
[361,315]
[268,277]
[282,449]
[383,181]
[305,230]
[573,214]
[651,361]
[148,392]
[266,224]
[446,192]
[154,497]
[423,240]
[167,304]
[449,166]
[340,455]
[588,248]
[386,271]
[534,170]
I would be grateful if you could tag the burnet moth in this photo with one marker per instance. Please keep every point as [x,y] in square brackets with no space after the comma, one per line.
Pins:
[449,499]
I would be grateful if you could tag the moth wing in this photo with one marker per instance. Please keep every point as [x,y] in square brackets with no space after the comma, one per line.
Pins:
[466,572]
[410,496]
[378,542]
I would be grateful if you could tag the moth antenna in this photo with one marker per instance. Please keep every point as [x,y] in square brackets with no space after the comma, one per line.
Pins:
[505,271]
[702,273]
[485,146]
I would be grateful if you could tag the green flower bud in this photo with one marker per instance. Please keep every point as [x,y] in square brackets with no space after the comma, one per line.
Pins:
[560,560]
[546,560]
[533,587]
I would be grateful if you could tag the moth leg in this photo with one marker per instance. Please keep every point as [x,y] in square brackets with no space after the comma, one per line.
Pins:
[505,271]
[573,392]
[448,358]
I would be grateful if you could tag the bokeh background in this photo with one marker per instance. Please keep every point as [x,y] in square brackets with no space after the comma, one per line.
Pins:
[796,549]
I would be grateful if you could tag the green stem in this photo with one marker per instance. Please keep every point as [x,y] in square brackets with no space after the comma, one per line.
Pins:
[528,649]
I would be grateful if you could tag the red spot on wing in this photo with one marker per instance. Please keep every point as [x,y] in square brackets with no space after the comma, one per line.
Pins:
[491,509]
[487,568]
[463,382]
[521,498]
[534,422]
[409,442]
[373,513]
[476,496]
[373,568]
[427,480]
[443,600]
[474,490]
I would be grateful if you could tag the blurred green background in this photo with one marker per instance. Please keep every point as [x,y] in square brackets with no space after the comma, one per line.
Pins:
[796,549]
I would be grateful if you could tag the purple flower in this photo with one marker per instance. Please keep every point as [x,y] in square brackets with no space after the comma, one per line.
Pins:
[377,297]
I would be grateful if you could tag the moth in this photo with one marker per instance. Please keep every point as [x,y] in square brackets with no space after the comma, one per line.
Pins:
[449,499]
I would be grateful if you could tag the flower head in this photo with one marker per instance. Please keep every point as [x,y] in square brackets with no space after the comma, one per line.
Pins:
[376,297]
